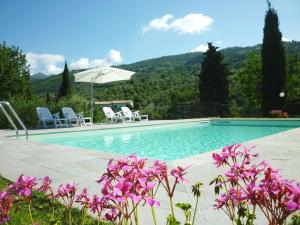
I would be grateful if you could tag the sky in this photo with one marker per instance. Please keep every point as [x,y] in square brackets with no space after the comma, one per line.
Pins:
[95,32]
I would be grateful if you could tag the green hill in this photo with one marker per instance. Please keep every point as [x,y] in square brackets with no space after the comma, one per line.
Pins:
[163,80]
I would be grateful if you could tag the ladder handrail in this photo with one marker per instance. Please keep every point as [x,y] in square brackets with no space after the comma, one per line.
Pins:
[10,119]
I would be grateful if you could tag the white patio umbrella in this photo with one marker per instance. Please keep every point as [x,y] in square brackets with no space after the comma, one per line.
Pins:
[101,75]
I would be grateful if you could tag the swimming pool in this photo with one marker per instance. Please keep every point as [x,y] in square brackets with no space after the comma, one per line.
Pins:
[166,142]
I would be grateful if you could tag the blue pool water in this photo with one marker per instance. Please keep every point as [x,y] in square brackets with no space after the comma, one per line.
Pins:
[167,142]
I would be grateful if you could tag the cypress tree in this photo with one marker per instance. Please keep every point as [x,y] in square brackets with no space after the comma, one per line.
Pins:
[66,86]
[273,63]
[213,79]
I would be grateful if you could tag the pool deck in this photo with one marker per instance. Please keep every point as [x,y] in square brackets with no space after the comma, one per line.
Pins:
[17,157]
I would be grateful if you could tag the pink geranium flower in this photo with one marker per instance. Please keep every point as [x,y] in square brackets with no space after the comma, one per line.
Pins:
[247,183]
[66,192]
[83,198]
[6,203]
[23,186]
[46,182]
[179,173]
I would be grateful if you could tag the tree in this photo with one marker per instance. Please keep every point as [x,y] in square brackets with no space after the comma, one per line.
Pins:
[293,86]
[245,87]
[66,86]
[213,79]
[293,79]
[273,63]
[14,73]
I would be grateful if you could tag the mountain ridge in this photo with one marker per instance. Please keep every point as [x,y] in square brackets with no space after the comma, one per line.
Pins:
[186,65]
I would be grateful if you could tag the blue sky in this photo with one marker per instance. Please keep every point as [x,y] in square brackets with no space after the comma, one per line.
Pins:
[94,32]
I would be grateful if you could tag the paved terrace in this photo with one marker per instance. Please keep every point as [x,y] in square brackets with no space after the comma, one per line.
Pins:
[64,164]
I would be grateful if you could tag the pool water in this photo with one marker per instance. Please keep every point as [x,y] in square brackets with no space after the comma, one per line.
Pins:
[166,142]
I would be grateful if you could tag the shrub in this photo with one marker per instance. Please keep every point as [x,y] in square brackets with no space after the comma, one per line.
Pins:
[26,109]
[278,114]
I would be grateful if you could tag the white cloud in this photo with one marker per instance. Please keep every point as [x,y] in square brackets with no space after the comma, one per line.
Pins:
[53,69]
[112,57]
[204,47]
[159,24]
[82,63]
[53,64]
[200,48]
[45,63]
[190,24]
[286,39]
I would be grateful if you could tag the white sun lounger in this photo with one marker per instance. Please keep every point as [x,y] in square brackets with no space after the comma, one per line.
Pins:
[111,116]
[45,117]
[130,116]
[71,116]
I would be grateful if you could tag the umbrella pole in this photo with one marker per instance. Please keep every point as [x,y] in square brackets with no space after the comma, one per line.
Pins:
[92,102]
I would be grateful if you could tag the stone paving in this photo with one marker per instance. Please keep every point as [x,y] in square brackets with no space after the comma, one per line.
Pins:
[64,164]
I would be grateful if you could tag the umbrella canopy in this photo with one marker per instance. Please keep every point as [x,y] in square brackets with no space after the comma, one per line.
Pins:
[103,74]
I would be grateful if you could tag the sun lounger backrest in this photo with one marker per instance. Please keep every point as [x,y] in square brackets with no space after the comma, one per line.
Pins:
[109,113]
[68,113]
[44,113]
[127,112]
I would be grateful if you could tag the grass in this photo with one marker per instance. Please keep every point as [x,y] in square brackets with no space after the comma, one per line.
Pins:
[41,211]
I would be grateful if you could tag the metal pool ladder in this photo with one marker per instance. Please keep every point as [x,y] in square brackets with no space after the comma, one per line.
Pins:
[11,109]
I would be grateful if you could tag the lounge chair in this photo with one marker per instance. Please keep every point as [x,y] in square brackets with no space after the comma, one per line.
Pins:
[130,116]
[110,115]
[71,117]
[45,117]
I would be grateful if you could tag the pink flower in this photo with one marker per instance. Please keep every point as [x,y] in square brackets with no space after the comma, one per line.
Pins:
[121,190]
[23,186]
[66,190]
[159,168]
[135,198]
[294,201]
[126,180]
[6,203]
[220,159]
[257,184]
[228,152]
[83,198]
[112,215]
[221,201]
[179,173]
[97,204]
[45,184]
[152,202]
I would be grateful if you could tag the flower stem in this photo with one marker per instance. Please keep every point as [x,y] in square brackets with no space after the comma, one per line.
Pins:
[194,216]
[84,216]
[135,213]
[136,218]
[253,214]
[153,215]
[70,216]
[52,204]
[30,215]
[172,207]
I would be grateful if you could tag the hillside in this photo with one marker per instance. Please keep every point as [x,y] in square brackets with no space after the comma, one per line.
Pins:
[39,76]
[174,76]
